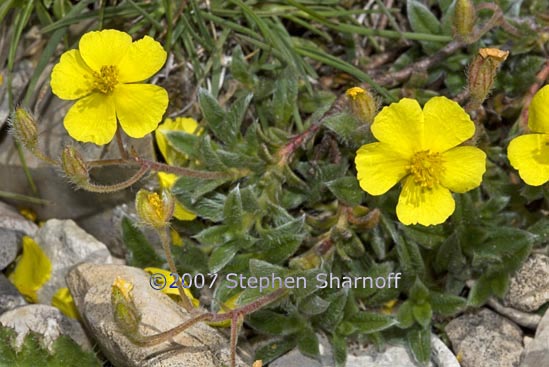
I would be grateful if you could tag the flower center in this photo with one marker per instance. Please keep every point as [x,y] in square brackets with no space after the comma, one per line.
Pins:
[106,79]
[426,168]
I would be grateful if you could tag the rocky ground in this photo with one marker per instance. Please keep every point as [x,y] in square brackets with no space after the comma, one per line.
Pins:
[511,332]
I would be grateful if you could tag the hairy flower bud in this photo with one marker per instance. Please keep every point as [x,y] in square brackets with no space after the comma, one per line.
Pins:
[24,128]
[74,166]
[363,104]
[153,210]
[482,73]
[465,17]
[125,313]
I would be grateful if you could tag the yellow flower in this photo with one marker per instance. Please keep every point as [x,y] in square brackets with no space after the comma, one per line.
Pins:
[62,299]
[103,75]
[529,153]
[33,270]
[184,124]
[171,281]
[420,147]
[167,180]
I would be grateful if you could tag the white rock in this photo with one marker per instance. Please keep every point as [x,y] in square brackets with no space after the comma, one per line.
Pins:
[199,346]
[529,287]
[485,339]
[537,350]
[44,320]
[67,245]
[10,297]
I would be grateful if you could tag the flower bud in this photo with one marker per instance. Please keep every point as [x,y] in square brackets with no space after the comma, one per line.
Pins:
[482,73]
[363,104]
[465,17]
[125,313]
[24,128]
[74,166]
[153,210]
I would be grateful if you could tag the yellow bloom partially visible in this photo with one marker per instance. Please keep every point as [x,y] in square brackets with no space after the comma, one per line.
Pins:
[167,180]
[184,124]
[529,153]
[62,299]
[104,76]
[227,306]
[172,291]
[420,147]
[32,271]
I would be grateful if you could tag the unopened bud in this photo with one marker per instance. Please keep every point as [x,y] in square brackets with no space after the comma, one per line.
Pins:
[153,210]
[482,73]
[24,128]
[363,104]
[125,313]
[74,166]
[465,17]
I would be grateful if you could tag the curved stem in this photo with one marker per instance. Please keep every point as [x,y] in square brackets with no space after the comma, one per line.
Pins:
[164,239]
[116,187]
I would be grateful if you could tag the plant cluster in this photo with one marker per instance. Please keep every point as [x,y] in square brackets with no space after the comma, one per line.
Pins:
[288,180]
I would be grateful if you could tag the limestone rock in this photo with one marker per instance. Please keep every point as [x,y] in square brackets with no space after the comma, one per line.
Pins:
[485,339]
[10,298]
[529,287]
[198,346]
[44,320]
[537,350]
[9,246]
[67,245]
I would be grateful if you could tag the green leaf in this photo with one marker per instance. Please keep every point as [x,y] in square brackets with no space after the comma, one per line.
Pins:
[183,142]
[284,98]
[365,323]
[189,189]
[214,115]
[339,349]
[410,258]
[446,304]
[330,319]
[233,211]
[208,155]
[421,19]
[275,349]
[259,268]
[313,305]
[235,116]
[405,315]
[346,190]
[426,237]
[273,323]
[240,70]
[419,341]
[215,235]
[480,292]
[419,292]
[222,255]
[140,253]
[346,127]
[422,314]
[308,343]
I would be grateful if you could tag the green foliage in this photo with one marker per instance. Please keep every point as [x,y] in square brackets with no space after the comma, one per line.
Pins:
[64,352]
[140,252]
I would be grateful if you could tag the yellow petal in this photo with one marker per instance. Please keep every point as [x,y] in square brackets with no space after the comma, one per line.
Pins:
[379,168]
[538,112]
[171,281]
[446,124]
[422,205]
[463,168]
[32,271]
[92,119]
[185,124]
[166,181]
[176,238]
[529,154]
[71,78]
[142,60]
[104,48]
[231,304]
[400,125]
[62,299]
[139,107]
